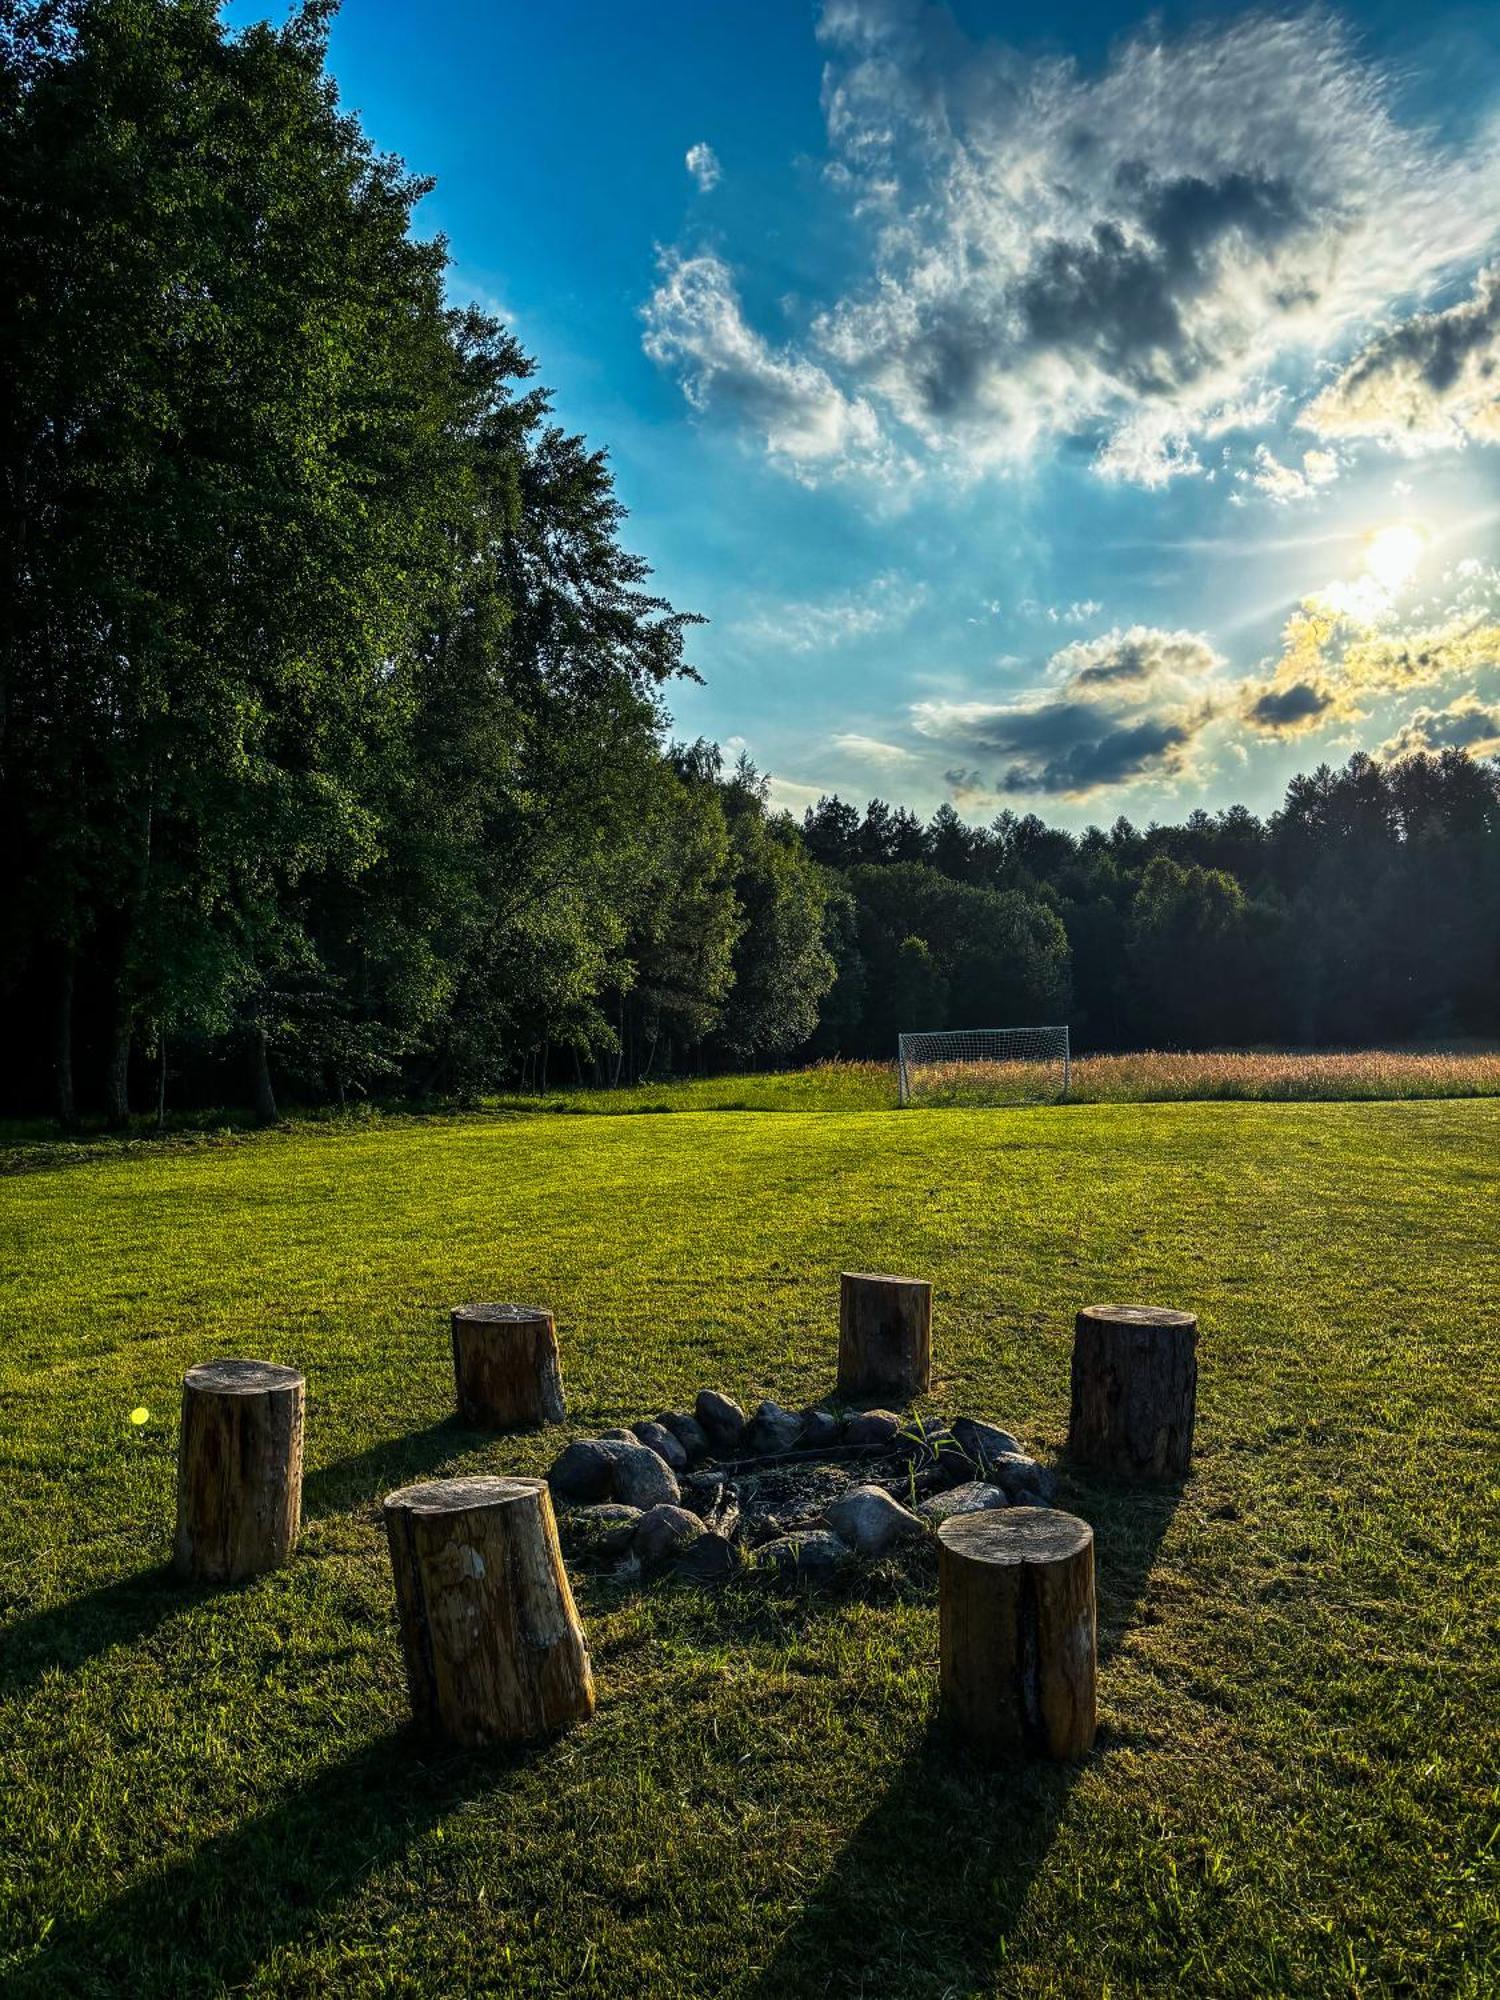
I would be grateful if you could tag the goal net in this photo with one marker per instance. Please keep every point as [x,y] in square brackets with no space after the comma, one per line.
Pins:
[984,1066]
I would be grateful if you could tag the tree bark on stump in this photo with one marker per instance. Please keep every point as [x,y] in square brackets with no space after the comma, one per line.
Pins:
[885,1336]
[507,1372]
[1018,1631]
[495,1652]
[239,1470]
[1135,1390]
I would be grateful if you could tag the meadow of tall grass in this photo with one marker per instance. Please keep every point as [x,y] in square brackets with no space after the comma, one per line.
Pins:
[1141,1077]
[1165,1075]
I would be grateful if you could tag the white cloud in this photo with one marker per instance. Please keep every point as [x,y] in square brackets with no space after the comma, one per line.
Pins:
[1134,664]
[703,164]
[1467,723]
[694,323]
[1079,612]
[1128,251]
[786,795]
[871,750]
[884,603]
[1286,483]
[1431,381]
[1125,256]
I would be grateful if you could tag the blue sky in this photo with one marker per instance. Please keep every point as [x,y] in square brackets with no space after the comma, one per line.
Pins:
[1104,422]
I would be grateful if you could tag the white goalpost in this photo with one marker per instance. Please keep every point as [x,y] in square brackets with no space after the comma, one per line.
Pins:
[984,1066]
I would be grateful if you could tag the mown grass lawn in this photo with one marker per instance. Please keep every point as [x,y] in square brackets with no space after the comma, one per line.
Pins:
[1295,1789]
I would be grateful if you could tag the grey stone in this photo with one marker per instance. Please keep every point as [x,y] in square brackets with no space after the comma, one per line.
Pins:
[1020,1477]
[604,1530]
[641,1478]
[585,1471]
[869,1520]
[871,1427]
[619,1436]
[664,1531]
[772,1429]
[805,1559]
[983,1442]
[688,1432]
[710,1558]
[820,1430]
[660,1440]
[974,1497]
[722,1419]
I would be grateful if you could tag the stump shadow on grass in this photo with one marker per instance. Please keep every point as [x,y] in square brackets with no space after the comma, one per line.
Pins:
[209,1921]
[66,1636]
[932,1884]
[365,1477]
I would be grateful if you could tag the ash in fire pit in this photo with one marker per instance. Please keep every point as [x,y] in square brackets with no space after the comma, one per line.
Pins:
[790,1494]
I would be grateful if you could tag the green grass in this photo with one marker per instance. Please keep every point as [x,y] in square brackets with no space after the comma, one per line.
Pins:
[1295,1785]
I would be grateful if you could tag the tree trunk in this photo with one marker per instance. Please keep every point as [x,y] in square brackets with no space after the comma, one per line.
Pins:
[495,1652]
[64,1103]
[239,1470]
[1135,1388]
[117,1073]
[260,1077]
[885,1337]
[506,1368]
[1017,1631]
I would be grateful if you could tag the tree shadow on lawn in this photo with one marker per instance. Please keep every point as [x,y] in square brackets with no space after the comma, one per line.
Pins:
[205,1923]
[933,1881]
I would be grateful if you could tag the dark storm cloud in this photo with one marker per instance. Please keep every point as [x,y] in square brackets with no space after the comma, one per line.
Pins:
[1111,759]
[1066,746]
[1121,297]
[1283,711]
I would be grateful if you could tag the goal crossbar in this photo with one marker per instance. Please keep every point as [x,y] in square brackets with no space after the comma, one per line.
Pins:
[1002,1053]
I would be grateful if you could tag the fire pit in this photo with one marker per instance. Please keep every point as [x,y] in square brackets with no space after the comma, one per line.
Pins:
[790,1495]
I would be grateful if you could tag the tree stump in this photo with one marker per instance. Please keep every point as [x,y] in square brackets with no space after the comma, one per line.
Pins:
[885,1336]
[494,1649]
[1017,1631]
[506,1369]
[1135,1389]
[239,1470]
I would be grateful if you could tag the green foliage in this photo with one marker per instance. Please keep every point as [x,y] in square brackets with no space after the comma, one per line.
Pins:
[1364,912]
[782,965]
[1294,1789]
[975,956]
[331,696]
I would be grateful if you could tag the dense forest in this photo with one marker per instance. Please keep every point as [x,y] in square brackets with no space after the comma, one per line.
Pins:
[335,753]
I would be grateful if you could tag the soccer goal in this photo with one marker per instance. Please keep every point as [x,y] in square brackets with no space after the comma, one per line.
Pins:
[984,1066]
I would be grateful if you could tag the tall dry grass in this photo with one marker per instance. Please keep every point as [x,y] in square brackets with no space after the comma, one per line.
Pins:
[1162,1075]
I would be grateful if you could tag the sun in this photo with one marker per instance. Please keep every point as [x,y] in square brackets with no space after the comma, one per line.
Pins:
[1392,555]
